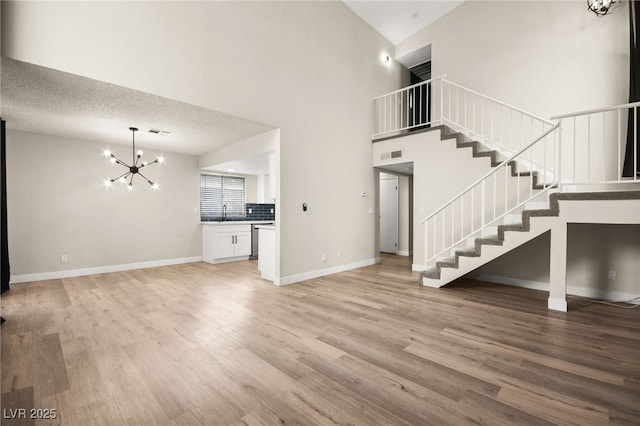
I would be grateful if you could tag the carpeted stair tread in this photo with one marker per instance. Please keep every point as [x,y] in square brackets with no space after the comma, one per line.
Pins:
[432,273]
[447,263]
[467,253]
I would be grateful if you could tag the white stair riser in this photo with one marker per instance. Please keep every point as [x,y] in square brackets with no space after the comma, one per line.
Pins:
[537,205]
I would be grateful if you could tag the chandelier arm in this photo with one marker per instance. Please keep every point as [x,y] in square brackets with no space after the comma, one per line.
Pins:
[124,175]
[148,164]
[131,181]
[119,161]
[146,178]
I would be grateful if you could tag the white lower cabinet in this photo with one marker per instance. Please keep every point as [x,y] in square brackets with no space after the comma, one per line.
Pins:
[221,243]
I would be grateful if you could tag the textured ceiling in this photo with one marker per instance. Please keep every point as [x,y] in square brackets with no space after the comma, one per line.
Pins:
[397,20]
[43,100]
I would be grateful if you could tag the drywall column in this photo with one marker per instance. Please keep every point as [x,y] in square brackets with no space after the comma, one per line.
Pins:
[558,267]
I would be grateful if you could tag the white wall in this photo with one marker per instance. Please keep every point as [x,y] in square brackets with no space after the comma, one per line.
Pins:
[309,68]
[546,57]
[58,205]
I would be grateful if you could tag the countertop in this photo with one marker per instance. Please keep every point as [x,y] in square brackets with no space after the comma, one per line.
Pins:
[237,222]
[267,227]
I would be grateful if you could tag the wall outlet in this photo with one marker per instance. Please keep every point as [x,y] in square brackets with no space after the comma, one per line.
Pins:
[323,257]
[63,258]
[339,254]
[612,275]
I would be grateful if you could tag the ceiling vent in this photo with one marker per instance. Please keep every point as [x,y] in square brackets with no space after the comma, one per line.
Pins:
[390,155]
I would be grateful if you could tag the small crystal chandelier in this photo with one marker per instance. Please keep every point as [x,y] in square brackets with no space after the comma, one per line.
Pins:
[602,7]
[134,168]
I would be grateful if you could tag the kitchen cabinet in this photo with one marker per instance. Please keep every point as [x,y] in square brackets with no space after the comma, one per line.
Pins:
[224,242]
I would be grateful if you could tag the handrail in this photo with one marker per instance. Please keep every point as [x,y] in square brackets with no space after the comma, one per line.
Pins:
[441,77]
[597,140]
[501,103]
[596,110]
[495,170]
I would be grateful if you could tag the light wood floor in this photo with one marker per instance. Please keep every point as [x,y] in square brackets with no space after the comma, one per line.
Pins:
[214,344]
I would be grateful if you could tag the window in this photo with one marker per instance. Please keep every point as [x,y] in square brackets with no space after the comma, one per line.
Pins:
[217,191]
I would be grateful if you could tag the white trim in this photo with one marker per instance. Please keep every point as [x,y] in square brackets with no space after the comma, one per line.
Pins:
[404,253]
[555,304]
[292,279]
[591,293]
[70,273]
[229,259]
[418,267]
[497,279]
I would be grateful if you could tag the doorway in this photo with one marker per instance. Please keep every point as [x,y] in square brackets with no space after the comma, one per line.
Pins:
[388,213]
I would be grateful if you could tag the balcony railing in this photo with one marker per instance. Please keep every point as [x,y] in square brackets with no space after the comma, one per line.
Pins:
[595,146]
[439,101]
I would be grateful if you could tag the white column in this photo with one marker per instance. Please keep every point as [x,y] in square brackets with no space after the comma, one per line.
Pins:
[558,268]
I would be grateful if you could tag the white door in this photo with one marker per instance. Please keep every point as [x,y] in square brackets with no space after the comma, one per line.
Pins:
[388,213]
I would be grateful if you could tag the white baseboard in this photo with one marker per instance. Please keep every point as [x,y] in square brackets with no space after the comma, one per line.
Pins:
[591,293]
[292,279]
[229,260]
[405,253]
[418,267]
[70,273]
[497,279]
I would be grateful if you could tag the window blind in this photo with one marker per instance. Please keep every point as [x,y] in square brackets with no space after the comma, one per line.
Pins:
[217,191]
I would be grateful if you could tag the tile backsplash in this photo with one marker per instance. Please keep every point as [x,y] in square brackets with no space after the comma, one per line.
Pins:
[260,211]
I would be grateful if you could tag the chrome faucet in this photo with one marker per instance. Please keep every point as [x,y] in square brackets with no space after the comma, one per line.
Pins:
[224,211]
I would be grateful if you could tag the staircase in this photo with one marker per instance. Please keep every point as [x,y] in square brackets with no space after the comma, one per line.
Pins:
[537,166]
[534,220]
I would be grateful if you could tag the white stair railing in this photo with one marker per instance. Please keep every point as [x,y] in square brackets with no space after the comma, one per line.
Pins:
[439,101]
[408,108]
[594,144]
[496,124]
[526,175]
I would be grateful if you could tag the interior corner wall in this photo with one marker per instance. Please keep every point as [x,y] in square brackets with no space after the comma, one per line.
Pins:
[311,69]
[58,205]
[546,57]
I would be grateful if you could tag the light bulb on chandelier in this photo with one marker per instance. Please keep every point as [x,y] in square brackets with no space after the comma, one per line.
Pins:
[602,7]
[134,168]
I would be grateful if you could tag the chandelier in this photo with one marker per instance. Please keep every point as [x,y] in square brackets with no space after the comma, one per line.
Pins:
[134,168]
[602,7]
